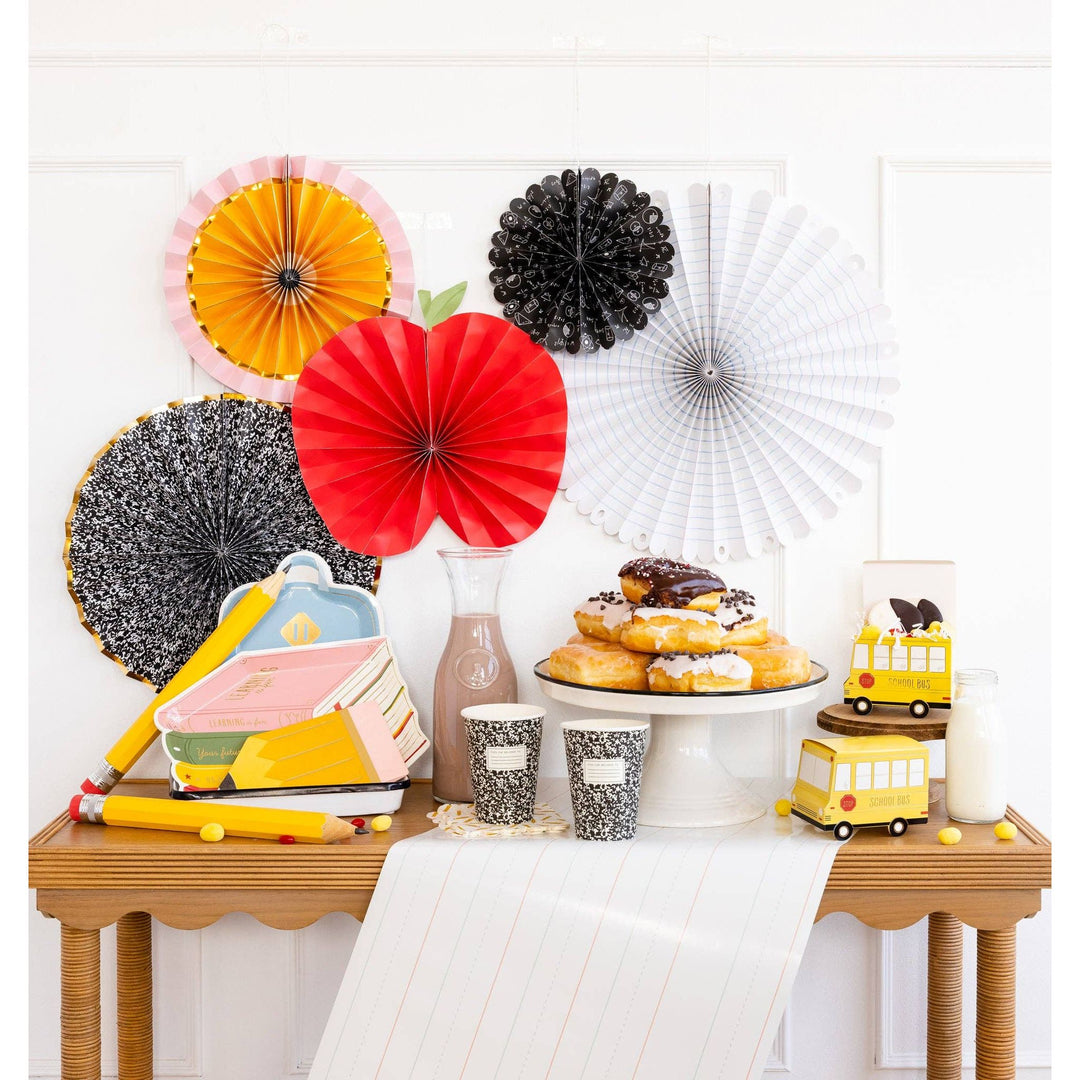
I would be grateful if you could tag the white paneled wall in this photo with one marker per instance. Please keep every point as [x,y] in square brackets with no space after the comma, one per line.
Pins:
[923,134]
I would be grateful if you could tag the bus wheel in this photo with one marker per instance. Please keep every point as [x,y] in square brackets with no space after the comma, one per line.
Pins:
[918,709]
[842,830]
[897,827]
[862,706]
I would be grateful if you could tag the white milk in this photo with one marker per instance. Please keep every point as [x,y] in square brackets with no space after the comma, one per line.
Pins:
[976,765]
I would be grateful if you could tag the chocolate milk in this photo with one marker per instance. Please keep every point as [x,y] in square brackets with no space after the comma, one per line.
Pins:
[475,669]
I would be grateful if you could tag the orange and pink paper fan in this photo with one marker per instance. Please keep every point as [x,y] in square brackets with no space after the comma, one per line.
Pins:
[394,425]
[273,258]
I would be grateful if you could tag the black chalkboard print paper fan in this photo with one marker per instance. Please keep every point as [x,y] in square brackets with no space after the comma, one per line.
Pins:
[176,510]
[748,409]
[582,261]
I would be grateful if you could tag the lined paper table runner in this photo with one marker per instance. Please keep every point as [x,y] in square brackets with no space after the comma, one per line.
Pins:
[668,956]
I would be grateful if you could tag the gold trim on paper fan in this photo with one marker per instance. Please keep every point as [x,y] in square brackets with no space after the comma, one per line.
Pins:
[69,569]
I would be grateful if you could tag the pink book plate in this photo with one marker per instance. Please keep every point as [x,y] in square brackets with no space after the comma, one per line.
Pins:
[261,691]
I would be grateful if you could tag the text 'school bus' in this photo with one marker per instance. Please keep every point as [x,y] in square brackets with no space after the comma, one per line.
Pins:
[860,781]
[911,671]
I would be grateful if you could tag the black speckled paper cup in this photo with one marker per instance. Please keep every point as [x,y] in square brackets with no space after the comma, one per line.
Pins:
[603,761]
[504,757]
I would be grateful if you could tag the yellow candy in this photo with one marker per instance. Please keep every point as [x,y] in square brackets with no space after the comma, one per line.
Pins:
[211,831]
[934,627]
[950,836]
[871,629]
[382,822]
[782,807]
[1005,830]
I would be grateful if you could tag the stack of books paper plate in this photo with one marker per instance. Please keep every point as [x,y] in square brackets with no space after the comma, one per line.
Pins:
[324,726]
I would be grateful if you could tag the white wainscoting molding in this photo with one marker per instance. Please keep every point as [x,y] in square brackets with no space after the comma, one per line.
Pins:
[174,166]
[890,167]
[566,55]
[298,1060]
[775,166]
[778,1062]
[184,966]
[886,1053]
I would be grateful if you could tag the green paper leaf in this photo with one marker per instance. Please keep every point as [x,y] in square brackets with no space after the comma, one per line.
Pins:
[442,306]
[425,304]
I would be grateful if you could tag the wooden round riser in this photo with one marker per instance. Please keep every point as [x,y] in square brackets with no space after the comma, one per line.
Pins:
[884,720]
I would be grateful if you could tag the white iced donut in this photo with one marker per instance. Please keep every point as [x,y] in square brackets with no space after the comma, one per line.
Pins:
[697,674]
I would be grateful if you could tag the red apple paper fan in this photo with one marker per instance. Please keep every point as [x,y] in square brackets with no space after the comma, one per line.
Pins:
[394,425]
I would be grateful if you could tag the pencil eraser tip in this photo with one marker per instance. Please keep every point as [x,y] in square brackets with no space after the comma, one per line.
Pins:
[73,807]
[90,788]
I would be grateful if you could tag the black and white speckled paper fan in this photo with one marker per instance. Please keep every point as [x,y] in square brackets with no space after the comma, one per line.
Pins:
[175,511]
[581,261]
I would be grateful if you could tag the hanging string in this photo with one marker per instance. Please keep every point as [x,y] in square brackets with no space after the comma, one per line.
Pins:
[289,147]
[278,114]
[576,83]
[712,352]
[708,108]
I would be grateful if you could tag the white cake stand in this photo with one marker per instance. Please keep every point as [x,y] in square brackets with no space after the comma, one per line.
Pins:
[684,782]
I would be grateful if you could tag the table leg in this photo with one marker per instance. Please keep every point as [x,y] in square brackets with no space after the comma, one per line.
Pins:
[944,996]
[80,1004]
[134,998]
[995,1009]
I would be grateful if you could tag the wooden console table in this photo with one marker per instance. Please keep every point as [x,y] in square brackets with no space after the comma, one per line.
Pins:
[91,876]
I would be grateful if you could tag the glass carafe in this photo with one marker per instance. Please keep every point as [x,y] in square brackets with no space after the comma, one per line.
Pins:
[976,755]
[475,668]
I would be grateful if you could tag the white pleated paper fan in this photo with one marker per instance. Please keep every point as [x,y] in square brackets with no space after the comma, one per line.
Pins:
[752,403]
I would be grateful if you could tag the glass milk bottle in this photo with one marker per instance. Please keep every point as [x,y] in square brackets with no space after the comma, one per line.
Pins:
[475,668]
[975,751]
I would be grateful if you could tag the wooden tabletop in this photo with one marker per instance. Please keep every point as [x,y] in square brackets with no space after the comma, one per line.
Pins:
[187,882]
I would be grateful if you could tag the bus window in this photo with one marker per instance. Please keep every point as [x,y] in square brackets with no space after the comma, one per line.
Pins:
[881,774]
[899,658]
[881,657]
[916,772]
[899,774]
[843,777]
[862,776]
[918,657]
[814,771]
[937,658]
[860,658]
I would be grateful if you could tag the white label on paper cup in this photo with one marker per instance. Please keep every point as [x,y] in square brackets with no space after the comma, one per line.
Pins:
[604,770]
[505,758]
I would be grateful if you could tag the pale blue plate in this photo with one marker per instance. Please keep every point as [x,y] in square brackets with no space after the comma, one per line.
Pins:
[310,608]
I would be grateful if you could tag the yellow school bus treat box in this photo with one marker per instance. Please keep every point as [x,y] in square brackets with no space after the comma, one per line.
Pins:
[901,656]
[862,781]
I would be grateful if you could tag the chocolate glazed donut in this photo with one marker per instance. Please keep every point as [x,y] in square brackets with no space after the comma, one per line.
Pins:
[663,583]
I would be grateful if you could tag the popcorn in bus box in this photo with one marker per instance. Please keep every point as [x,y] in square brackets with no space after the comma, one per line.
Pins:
[902,655]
